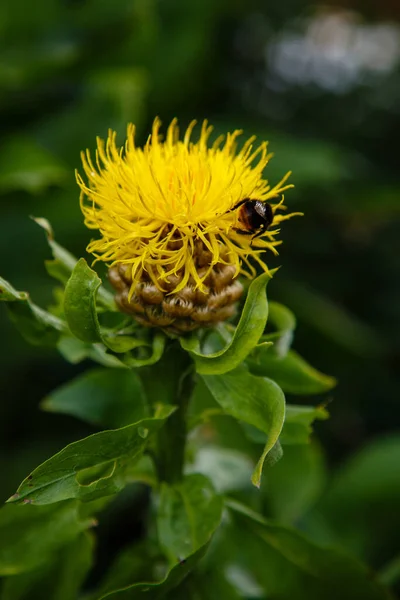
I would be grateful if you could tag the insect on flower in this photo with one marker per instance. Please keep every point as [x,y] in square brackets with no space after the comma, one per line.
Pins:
[254,216]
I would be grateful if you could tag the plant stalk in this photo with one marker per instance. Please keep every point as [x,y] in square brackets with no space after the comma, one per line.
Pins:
[170,381]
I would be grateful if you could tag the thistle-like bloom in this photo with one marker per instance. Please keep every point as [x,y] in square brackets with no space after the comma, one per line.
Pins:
[167,214]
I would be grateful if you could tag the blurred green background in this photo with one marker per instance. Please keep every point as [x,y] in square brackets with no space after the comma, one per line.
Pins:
[322,83]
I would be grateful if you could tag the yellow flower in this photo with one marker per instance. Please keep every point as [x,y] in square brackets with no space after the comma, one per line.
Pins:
[153,206]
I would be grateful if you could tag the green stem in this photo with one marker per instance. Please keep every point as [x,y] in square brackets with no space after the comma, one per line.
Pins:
[171,440]
[170,381]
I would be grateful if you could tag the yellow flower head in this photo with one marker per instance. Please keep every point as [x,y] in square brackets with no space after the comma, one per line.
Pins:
[154,205]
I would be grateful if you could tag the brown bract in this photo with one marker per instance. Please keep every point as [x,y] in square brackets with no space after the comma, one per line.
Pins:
[183,311]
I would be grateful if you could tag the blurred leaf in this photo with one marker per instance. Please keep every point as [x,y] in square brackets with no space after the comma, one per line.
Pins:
[155,590]
[207,585]
[390,573]
[228,470]
[25,165]
[29,535]
[285,324]
[254,400]
[75,351]
[35,324]
[291,372]
[61,578]
[295,483]
[361,505]
[125,87]
[332,320]
[92,467]
[247,333]
[188,514]
[294,568]
[106,397]
[313,161]
[298,423]
[363,204]
[137,562]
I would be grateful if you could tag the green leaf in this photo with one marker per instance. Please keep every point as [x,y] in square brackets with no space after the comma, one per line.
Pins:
[285,324]
[75,351]
[25,165]
[107,397]
[29,535]
[291,372]
[298,423]
[61,577]
[134,563]
[210,585]
[295,483]
[158,345]
[247,333]
[36,325]
[154,590]
[80,303]
[81,314]
[294,567]
[92,467]
[188,514]
[64,262]
[257,401]
[361,505]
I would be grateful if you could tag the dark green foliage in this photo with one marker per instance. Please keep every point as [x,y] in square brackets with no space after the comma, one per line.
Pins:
[187,509]
[69,70]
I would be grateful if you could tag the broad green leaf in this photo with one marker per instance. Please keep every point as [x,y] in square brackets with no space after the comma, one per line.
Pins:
[29,535]
[81,314]
[257,401]
[247,333]
[285,323]
[297,428]
[92,467]
[188,513]
[36,325]
[291,372]
[64,262]
[108,397]
[293,567]
[60,578]
[25,165]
